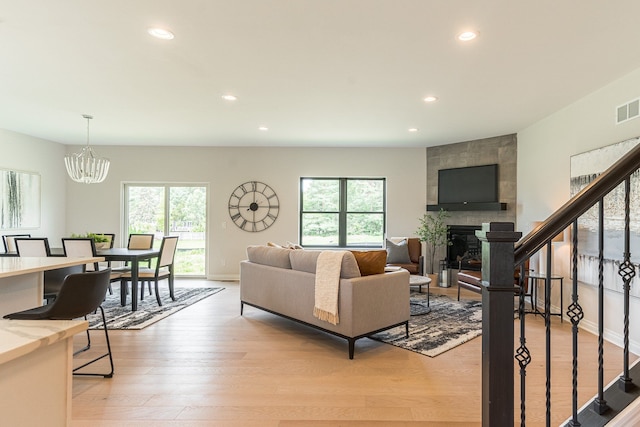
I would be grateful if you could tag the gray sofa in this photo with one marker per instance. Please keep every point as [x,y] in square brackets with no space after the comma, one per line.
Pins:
[282,281]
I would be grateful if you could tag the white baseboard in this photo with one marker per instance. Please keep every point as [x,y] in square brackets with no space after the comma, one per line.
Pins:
[224,277]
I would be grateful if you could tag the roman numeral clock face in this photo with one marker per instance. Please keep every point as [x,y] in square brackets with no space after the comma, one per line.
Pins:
[253,206]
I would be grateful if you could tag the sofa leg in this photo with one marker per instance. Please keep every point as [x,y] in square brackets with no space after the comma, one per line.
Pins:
[406,327]
[352,346]
[241,307]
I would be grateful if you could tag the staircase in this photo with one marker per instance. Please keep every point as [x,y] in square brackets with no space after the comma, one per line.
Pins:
[503,250]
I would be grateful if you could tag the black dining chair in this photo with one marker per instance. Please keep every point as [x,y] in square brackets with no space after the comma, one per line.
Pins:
[163,270]
[81,294]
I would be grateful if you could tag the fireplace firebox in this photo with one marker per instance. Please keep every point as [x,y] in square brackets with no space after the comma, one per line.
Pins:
[465,251]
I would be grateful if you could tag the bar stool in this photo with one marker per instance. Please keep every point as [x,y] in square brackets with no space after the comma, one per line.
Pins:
[81,294]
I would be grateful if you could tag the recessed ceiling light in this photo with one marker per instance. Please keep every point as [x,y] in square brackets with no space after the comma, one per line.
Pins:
[467,35]
[161,33]
[430,98]
[229,97]
[263,128]
[413,129]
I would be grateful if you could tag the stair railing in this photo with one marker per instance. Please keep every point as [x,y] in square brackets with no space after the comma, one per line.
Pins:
[504,250]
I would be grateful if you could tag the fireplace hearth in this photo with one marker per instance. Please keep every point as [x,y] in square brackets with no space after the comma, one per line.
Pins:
[465,251]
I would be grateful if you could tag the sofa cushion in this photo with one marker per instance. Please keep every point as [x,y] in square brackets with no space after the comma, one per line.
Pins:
[371,262]
[267,255]
[305,260]
[398,253]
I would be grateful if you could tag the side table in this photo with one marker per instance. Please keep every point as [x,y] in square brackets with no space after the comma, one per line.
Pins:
[420,281]
[534,280]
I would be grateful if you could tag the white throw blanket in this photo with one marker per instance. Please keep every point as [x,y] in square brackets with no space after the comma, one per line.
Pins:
[327,286]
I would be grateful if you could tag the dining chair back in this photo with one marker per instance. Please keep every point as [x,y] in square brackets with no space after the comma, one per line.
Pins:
[140,241]
[9,241]
[80,247]
[81,294]
[85,247]
[32,246]
[167,252]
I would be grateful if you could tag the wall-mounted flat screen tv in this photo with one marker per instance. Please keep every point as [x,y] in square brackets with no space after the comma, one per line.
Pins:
[475,184]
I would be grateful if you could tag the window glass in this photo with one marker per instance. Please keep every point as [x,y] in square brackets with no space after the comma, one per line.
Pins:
[342,212]
[171,210]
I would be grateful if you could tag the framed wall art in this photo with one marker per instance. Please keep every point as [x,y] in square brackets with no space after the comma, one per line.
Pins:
[585,167]
[19,200]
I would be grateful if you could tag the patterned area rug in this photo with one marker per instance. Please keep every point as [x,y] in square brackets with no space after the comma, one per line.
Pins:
[148,310]
[449,324]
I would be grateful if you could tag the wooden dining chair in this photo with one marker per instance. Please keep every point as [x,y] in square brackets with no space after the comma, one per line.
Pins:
[8,240]
[138,241]
[32,246]
[85,247]
[163,270]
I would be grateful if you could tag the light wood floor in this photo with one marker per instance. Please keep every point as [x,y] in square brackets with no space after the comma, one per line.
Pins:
[208,366]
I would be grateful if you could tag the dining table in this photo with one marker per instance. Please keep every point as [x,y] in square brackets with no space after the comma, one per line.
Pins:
[133,256]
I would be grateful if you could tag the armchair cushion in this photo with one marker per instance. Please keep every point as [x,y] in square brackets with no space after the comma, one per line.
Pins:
[398,253]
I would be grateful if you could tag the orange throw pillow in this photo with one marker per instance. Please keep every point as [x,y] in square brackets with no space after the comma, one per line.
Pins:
[371,262]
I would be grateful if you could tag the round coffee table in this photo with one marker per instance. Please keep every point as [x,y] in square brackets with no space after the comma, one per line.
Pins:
[420,281]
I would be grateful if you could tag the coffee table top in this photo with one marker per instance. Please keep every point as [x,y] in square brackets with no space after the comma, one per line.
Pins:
[416,279]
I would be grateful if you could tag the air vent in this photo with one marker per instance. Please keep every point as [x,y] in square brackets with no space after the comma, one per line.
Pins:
[628,111]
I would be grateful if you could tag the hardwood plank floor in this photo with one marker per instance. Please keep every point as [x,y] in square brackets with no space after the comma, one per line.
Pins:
[208,366]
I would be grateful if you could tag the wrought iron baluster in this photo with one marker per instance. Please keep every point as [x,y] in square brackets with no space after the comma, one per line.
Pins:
[547,323]
[522,353]
[575,314]
[600,405]
[627,272]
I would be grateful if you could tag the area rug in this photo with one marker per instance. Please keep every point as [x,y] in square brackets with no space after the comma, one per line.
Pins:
[148,312]
[449,324]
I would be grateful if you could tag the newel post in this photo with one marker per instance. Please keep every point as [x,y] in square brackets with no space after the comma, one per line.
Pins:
[498,240]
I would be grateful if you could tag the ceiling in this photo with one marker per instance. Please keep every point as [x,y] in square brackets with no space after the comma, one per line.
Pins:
[315,72]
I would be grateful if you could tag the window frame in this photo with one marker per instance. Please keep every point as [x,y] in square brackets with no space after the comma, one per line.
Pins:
[342,210]
[167,186]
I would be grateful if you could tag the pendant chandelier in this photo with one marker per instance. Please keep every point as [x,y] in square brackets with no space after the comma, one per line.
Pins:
[86,167]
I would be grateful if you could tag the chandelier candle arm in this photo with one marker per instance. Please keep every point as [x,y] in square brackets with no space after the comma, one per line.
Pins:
[87,167]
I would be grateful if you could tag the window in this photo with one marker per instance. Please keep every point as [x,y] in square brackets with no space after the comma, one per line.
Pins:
[171,210]
[342,212]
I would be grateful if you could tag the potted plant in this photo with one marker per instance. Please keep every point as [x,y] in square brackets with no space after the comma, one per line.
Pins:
[101,241]
[433,231]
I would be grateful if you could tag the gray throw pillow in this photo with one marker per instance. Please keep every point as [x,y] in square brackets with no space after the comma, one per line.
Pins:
[398,253]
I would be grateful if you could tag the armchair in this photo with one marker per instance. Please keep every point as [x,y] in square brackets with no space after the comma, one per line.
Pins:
[406,255]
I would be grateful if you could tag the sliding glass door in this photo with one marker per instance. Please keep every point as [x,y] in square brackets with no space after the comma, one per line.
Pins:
[171,210]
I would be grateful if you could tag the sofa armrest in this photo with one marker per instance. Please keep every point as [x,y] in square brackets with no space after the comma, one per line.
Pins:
[379,300]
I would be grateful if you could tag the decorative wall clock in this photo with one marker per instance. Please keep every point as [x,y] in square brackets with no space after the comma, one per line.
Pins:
[254,206]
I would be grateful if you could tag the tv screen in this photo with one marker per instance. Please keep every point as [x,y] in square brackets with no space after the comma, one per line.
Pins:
[475,184]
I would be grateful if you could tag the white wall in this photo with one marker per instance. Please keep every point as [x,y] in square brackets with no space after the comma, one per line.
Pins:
[25,153]
[98,207]
[544,151]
